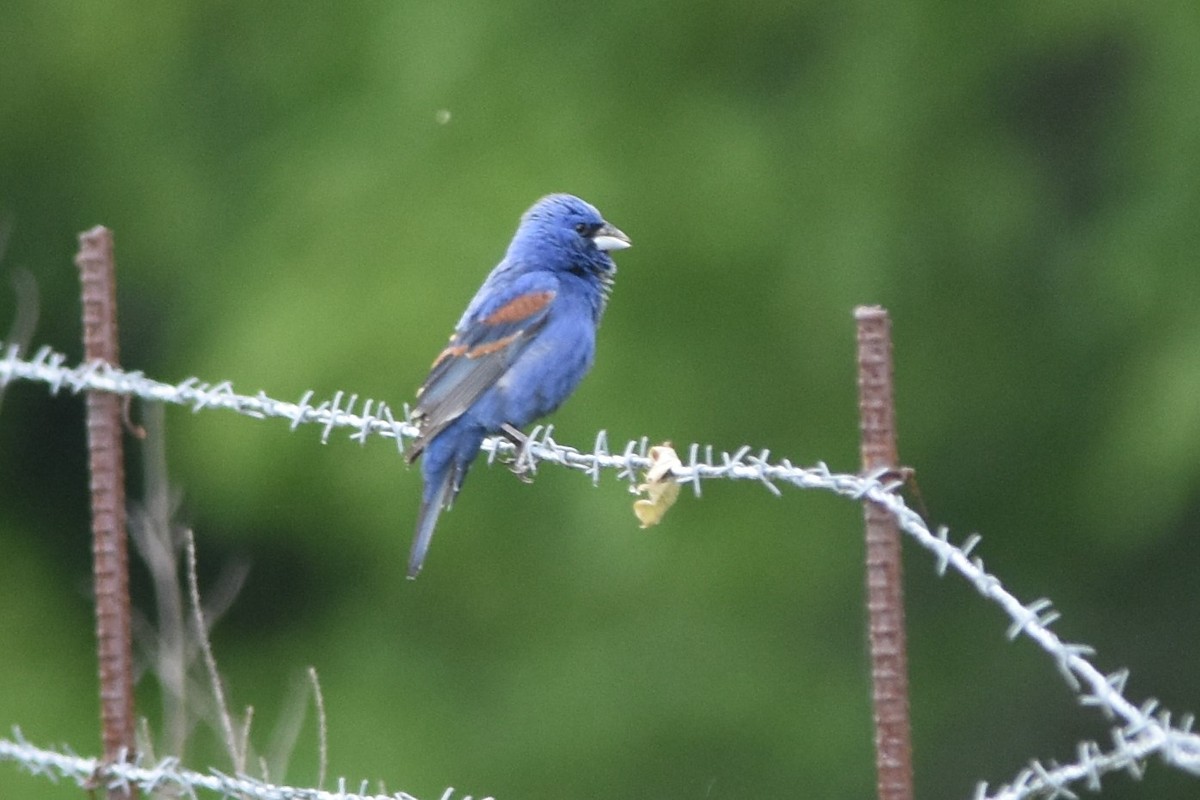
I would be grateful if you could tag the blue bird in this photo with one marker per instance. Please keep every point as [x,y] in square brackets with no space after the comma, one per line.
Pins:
[525,342]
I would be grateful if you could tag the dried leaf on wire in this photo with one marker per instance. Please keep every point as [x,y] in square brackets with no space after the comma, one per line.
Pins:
[661,488]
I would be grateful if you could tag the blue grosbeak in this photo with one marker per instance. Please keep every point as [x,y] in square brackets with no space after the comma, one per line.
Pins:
[526,340]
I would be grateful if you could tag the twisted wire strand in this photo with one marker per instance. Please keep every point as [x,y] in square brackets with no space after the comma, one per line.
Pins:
[168,778]
[1138,732]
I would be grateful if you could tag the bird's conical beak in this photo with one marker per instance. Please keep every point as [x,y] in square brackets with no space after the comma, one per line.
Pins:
[610,238]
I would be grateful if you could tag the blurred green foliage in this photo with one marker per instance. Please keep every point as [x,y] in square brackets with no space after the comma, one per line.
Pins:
[305,196]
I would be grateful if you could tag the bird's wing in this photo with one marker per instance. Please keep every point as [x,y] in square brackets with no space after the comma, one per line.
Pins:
[480,351]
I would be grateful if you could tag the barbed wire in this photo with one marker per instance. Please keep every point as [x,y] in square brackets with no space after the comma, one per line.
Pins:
[365,417]
[168,778]
[1140,731]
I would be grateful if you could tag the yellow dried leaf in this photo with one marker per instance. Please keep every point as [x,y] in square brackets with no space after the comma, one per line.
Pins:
[660,487]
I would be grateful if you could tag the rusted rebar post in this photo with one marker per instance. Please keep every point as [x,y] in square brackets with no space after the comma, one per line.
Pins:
[110,559]
[885,593]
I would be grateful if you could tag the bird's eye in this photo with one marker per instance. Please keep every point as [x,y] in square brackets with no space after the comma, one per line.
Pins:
[582,228]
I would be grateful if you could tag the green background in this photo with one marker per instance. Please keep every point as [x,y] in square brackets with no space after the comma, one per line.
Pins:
[1019,183]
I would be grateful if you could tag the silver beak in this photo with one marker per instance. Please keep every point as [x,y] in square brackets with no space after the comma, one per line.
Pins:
[610,238]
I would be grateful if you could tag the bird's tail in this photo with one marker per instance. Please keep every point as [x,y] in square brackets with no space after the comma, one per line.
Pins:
[446,461]
[431,506]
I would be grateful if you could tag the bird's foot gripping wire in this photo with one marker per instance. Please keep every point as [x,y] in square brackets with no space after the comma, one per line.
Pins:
[522,465]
